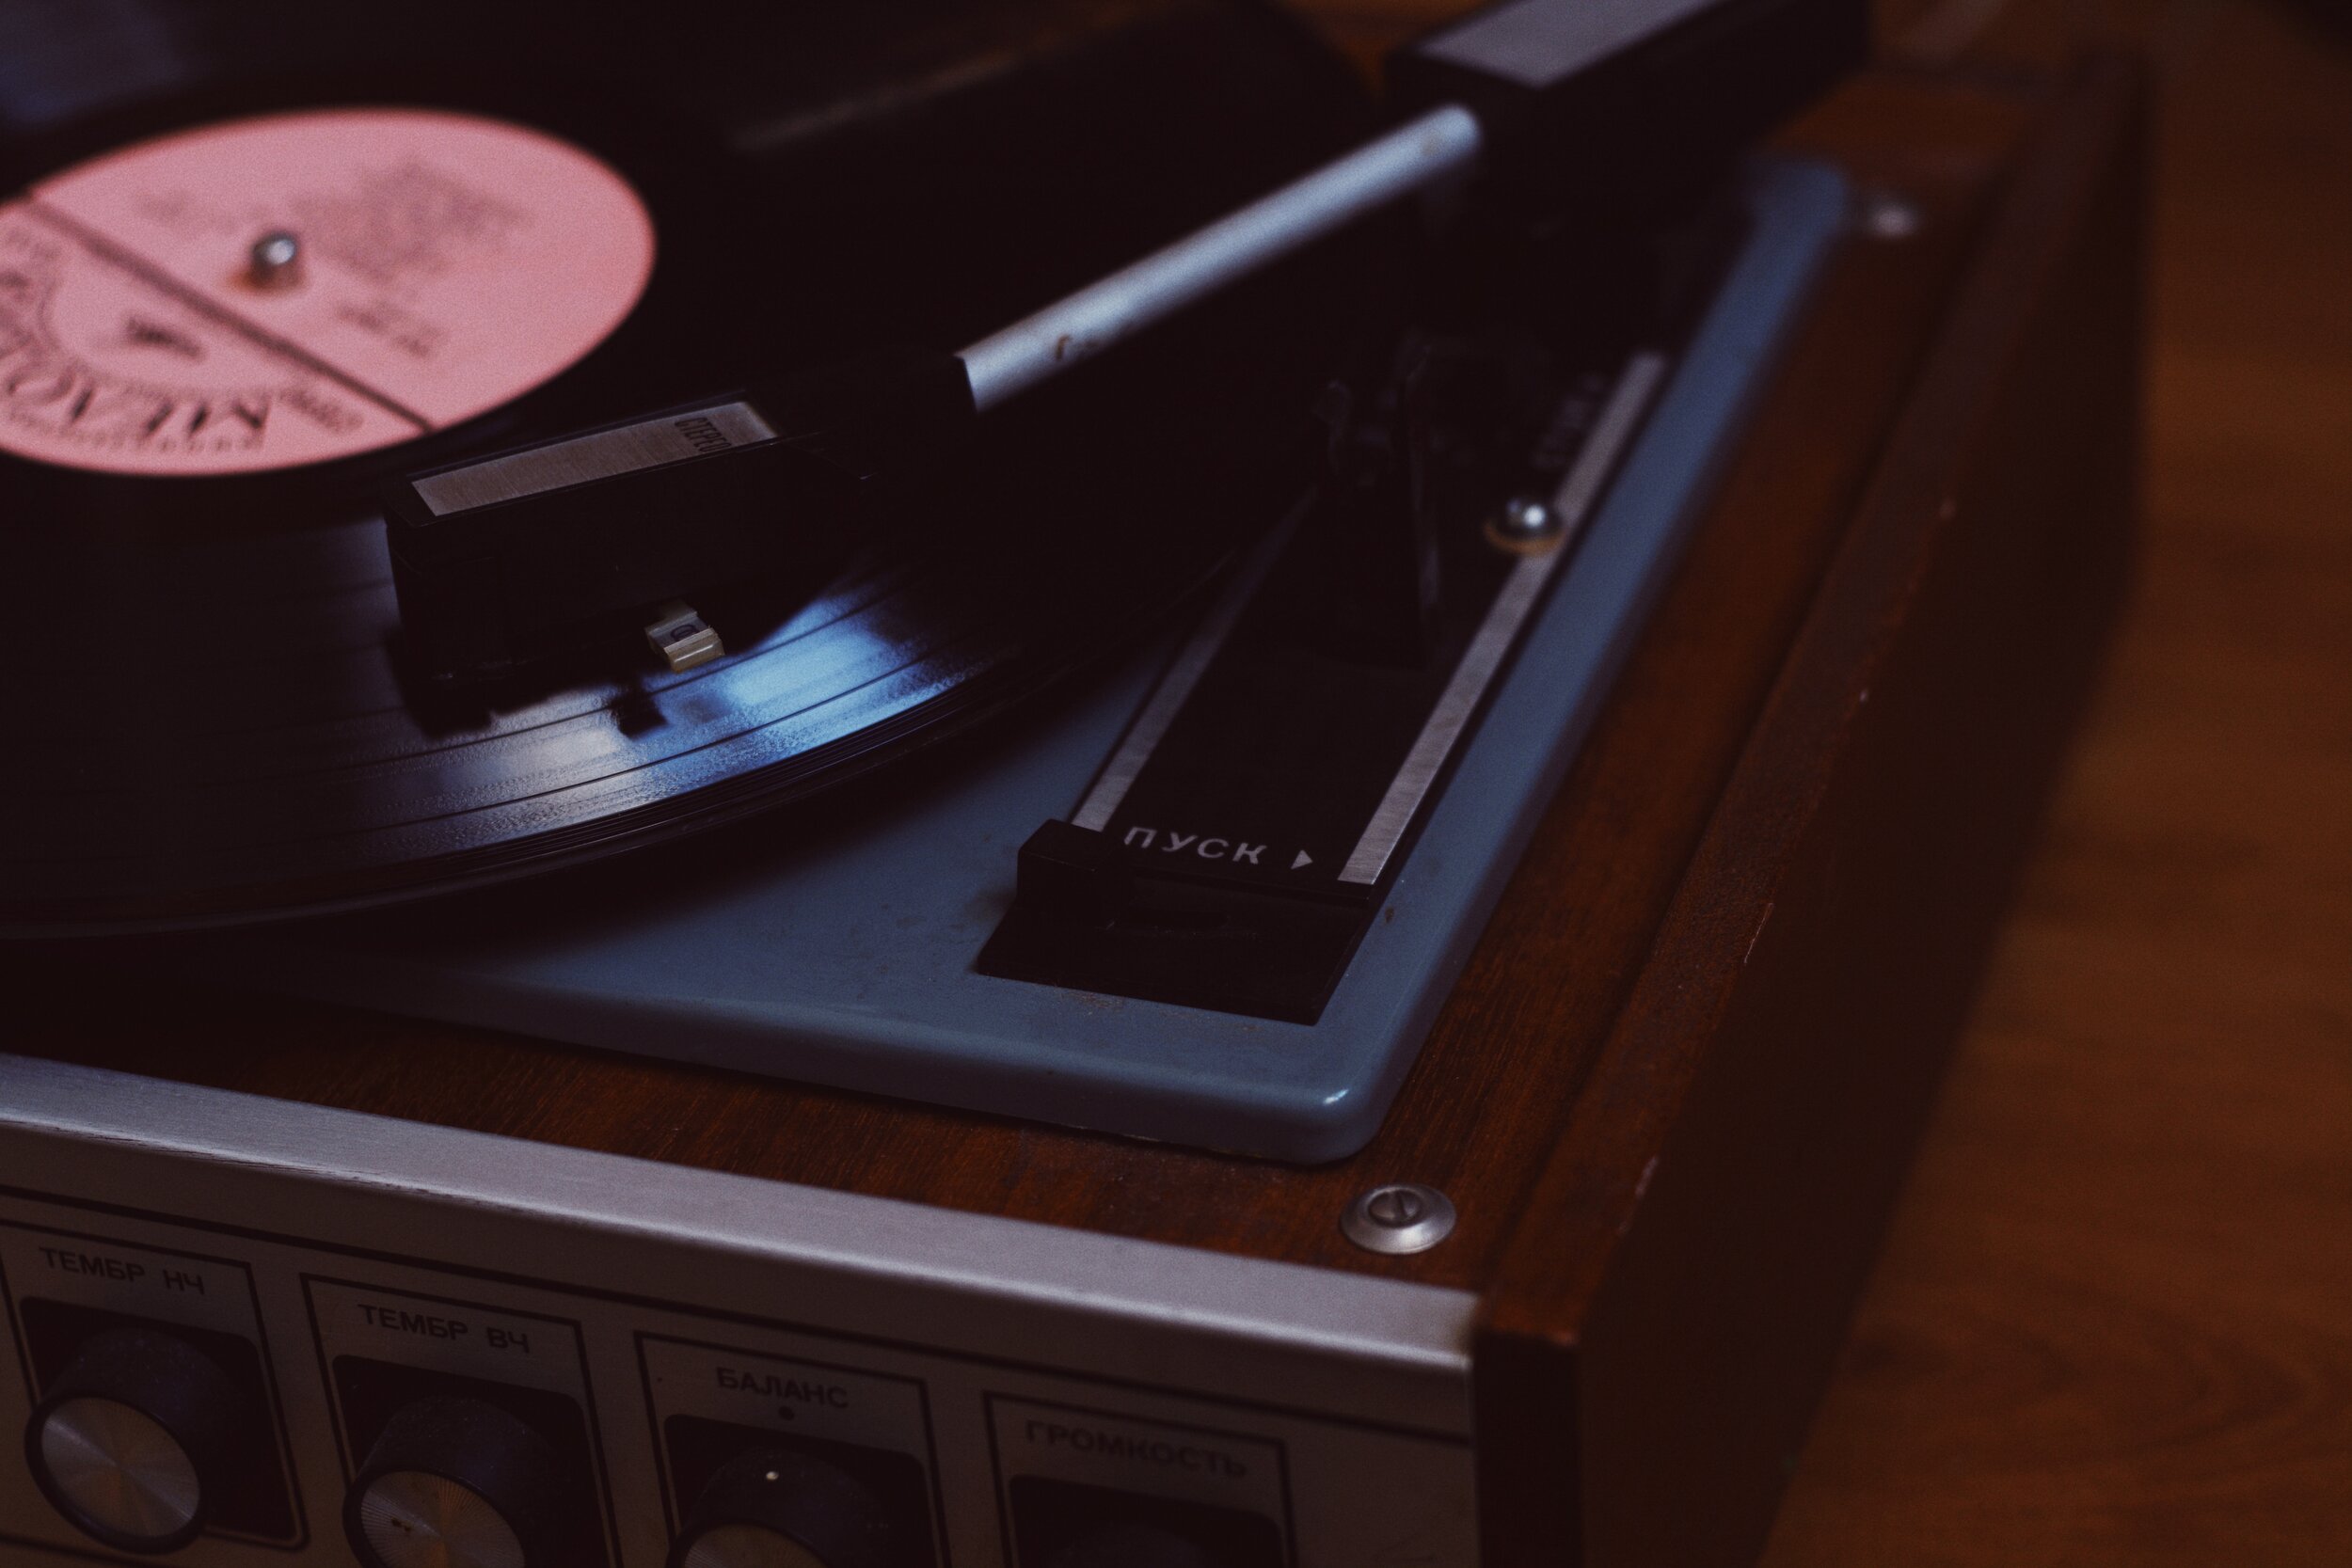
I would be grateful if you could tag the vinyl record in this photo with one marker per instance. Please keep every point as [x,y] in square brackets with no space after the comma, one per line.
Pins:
[512,225]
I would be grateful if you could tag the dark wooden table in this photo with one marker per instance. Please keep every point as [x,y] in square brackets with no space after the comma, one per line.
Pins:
[2113,1323]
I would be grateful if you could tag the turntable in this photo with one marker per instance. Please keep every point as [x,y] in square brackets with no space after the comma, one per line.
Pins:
[1297,910]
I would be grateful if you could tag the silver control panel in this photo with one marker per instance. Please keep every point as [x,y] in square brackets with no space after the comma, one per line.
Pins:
[245,1333]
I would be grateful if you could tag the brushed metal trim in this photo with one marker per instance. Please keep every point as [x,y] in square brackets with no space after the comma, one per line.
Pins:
[1354,1346]
[1612,434]
[1183,672]
[599,455]
[1168,700]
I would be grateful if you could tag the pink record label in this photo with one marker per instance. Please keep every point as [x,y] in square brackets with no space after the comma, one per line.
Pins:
[267,292]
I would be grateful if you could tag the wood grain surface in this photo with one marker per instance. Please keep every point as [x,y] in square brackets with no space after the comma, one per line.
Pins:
[2113,1323]
[1683,1272]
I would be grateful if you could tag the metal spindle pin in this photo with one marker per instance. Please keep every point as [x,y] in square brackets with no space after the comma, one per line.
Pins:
[275,260]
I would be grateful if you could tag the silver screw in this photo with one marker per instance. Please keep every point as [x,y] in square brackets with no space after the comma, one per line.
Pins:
[275,260]
[1524,518]
[1400,1217]
[1888,215]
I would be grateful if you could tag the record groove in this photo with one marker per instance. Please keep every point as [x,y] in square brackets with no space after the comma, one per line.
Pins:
[209,713]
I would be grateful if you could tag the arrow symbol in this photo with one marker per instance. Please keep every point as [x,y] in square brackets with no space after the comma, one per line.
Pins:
[1304,859]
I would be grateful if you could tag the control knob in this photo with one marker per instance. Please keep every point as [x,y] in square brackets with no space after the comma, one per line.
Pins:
[453,1483]
[133,1437]
[773,1508]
